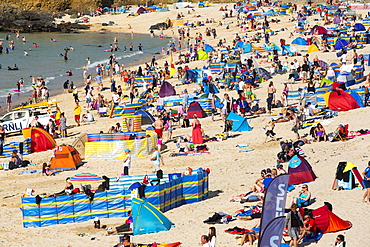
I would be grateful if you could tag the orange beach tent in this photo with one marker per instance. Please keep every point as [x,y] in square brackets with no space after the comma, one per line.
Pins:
[65,157]
[41,140]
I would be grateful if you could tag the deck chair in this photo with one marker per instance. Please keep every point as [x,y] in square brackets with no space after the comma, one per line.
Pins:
[340,134]
[103,111]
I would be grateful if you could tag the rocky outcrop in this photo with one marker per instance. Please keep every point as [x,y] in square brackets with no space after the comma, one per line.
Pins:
[13,19]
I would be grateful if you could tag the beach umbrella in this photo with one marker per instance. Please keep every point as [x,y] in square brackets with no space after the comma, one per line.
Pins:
[359,27]
[318,30]
[86,178]
[299,41]
[340,44]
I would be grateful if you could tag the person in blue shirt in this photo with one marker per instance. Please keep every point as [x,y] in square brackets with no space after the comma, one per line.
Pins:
[366,184]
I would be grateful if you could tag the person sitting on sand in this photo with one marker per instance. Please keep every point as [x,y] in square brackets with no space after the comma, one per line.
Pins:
[269,127]
[127,226]
[309,228]
[46,170]
[88,117]
[262,183]
[287,118]
[252,235]
[320,133]
[304,197]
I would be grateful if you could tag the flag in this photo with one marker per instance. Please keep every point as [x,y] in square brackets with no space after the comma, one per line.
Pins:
[172,69]
[274,202]
[273,233]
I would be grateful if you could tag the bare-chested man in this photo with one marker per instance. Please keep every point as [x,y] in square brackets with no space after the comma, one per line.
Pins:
[158,125]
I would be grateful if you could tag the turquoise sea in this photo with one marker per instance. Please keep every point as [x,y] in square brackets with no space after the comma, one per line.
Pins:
[45,60]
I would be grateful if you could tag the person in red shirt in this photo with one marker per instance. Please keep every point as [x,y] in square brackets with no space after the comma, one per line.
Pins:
[309,228]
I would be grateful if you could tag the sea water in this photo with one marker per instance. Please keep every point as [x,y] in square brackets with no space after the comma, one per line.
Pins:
[46,61]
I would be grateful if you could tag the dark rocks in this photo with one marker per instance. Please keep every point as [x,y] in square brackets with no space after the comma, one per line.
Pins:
[12,19]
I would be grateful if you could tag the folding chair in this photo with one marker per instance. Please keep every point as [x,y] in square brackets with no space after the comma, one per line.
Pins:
[103,111]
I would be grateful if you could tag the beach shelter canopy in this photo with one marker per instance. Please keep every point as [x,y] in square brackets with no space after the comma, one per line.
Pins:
[79,144]
[312,48]
[140,10]
[208,48]
[86,178]
[300,171]
[147,218]
[346,78]
[359,27]
[340,44]
[326,221]
[146,117]
[318,30]
[299,41]
[239,123]
[357,97]
[41,140]
[339,100]
[345,176]
[323,64]
[166,90]
[202,55]
[196,109]
[65,158]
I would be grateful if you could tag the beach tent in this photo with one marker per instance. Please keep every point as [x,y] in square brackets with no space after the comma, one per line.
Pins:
[357,97]
[340,44]
[208,48]
[359,27]
[345,176]
[65,157]
[202,55]
[264,73]
[312,48]
[299,41]
[300,171]
[239,123]
[318,30]
[147,218]
[146,117]
[326,221]
[195,108]
[79,144]
[41,140]
[166,90]
[141,10]
[247,48]
[339,100]
[347,78]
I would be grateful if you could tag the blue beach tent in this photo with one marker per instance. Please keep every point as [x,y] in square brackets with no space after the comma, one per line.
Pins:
[299,41]
[208,48]
[147,218]
[239,123]
[247,48]
[359,27]
[340,44]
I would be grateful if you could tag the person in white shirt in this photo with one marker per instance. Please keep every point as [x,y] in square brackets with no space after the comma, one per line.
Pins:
[204,241]
[212,236]
[343,58]
[127,162]
[116,99]
[339,241]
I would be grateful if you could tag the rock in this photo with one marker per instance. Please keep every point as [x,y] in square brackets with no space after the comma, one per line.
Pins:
[12,19]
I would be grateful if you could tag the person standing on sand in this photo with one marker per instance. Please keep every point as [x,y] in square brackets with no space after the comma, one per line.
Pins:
[157,159]
[77,112]
[158,126]
[8,102]
[366,184]
[63,125]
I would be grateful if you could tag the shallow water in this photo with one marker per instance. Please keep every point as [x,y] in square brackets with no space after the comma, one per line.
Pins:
[45,60]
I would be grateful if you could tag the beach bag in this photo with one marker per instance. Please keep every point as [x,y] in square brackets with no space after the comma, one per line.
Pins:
[12,165]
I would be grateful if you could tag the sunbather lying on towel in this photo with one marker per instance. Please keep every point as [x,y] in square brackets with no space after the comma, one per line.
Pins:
[254,213]
[252,235]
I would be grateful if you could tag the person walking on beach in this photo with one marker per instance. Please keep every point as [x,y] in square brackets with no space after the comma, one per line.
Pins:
[157,159]
[158,126]
[63,125]
[366,184]
[127,162]
[8,102]
[294,221]
[77,112]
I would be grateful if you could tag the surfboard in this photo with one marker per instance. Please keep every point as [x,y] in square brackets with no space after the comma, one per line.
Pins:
[106,51]
[246,150]
[53,40]
[17,91]
[243,145]
[37,105]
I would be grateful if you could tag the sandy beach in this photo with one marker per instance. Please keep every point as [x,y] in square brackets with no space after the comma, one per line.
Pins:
[232,172]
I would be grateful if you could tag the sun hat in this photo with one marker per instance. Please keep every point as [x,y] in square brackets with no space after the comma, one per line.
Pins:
[127,150]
